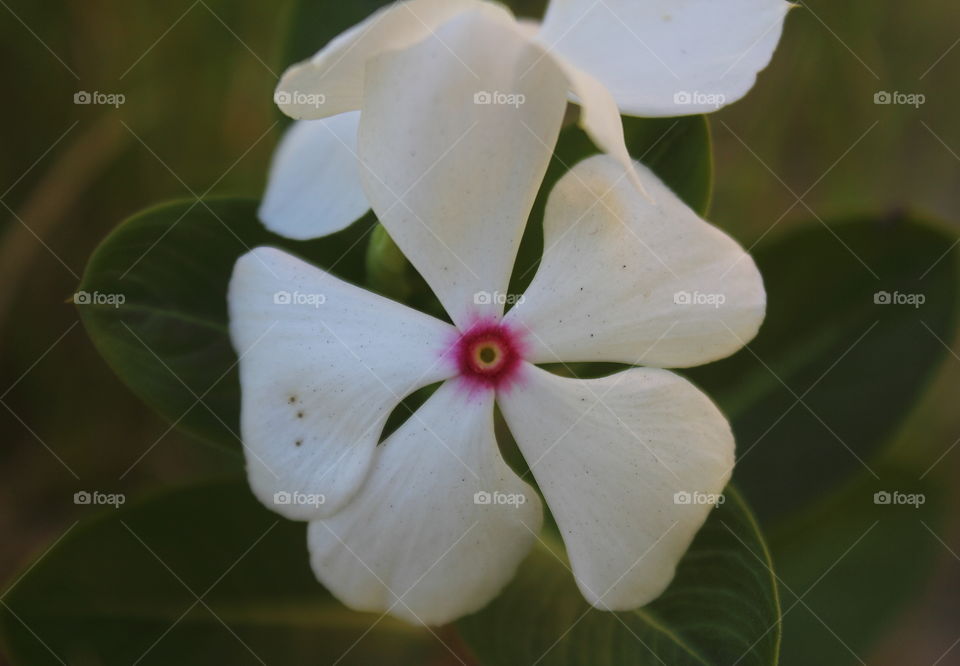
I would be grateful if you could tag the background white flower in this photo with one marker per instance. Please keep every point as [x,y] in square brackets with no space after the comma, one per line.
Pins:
[401,529]
[665,58]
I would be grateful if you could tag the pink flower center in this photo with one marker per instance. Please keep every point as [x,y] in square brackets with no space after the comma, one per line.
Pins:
[488,355]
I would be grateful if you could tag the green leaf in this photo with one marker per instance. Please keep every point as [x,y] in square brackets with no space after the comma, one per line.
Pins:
[721,608]
[168,340]
[534,9]
[387,267]
[679,151]
[849,565]
[860,366]
[122,589]
[832,373]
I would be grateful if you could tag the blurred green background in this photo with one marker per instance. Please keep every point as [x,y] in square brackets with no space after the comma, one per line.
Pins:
[808,142]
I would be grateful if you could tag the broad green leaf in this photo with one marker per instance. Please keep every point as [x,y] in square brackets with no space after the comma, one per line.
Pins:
[168,340]
[122,588]
[860,366]
[835,369]
[848,565]
[721,608]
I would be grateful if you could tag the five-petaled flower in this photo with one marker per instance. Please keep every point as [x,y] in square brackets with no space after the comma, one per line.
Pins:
[641,58]
[432,523]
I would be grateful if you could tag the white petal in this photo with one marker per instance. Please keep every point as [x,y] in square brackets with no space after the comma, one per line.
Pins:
[417,540]
[610,456]
[314,186]
[626,280]
[322,364]
[668,57]
[452,177]
[331,82]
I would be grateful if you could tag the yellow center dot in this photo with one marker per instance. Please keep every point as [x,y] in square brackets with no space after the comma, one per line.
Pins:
[487,355]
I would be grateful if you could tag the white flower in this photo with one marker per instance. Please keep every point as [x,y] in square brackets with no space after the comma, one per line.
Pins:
[642,58]
[431,524]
